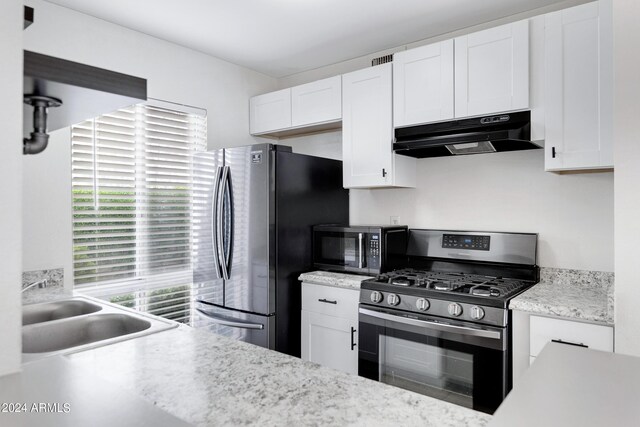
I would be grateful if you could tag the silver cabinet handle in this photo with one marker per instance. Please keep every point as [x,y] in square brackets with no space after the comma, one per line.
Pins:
[219,226]
[229,321]
[460,330]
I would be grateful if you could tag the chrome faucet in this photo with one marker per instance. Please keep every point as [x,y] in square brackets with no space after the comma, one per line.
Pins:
[41,284]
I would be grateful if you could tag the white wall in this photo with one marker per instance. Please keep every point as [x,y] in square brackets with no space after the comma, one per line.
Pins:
[173,73]
[626,15]
[572,213]
[46,231]
[11,19]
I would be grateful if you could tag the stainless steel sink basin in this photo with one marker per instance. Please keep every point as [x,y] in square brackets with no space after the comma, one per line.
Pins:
[54,336]
[46,312]
[82,323]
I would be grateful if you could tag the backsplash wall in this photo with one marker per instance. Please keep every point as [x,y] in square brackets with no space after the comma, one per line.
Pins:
[573,213]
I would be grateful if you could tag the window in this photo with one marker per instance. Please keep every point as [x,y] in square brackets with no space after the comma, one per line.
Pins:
[132,207]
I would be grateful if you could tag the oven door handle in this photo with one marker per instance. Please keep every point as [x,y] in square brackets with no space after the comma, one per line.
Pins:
[460,330]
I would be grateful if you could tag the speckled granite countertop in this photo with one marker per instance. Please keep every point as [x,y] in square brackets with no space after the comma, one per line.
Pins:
[339,280]
[574,294]
[211,380]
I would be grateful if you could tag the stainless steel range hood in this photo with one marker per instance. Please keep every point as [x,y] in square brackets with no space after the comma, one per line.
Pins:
[60,93]
[478,135]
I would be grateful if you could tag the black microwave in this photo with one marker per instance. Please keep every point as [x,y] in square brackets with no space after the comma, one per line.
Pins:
[363,249]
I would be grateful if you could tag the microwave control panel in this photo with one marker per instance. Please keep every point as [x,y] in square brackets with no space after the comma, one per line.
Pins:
[374,250]
[465,241]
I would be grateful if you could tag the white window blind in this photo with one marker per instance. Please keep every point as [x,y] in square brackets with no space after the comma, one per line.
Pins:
[132,173]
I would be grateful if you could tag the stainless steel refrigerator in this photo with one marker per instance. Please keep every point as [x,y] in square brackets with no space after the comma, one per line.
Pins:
[254,208]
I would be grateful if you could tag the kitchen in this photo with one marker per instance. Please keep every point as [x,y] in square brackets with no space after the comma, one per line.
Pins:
[582,219]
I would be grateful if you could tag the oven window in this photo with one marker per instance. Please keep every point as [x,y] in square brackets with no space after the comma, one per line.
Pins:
[423,368]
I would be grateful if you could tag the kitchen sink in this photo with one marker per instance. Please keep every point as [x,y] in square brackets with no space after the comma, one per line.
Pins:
[82,323]
[46,312]
[54,336]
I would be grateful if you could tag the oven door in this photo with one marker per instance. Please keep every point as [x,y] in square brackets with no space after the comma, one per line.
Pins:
[453,361]
[342,250]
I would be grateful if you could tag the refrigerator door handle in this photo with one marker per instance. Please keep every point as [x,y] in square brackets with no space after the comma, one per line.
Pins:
[229,321]
[222,259]
[228,232]
[214,220]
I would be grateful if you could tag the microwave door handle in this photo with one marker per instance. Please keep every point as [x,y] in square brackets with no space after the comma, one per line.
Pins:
[360,251]
[228,321]
[443,327]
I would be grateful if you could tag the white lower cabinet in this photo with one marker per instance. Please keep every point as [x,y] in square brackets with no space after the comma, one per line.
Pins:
[330,341]
[330,326]
[546,329]
[532,332]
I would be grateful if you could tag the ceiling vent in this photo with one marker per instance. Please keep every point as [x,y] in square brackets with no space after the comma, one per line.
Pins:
[382,60]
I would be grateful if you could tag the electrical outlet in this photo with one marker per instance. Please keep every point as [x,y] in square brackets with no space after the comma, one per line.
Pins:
[394,220]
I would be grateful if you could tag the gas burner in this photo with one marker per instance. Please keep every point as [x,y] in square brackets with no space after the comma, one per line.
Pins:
[485,291]
[402,281]
[442,286]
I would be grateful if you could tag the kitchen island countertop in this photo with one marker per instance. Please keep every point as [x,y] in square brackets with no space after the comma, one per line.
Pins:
[574,386]
[206,379]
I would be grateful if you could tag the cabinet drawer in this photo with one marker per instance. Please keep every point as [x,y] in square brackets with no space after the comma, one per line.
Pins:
[332,301]
[545,329]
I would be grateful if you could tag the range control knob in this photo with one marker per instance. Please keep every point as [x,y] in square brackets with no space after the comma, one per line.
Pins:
[455,309]
[376,296]
[477,313]
[422,304]
[393,299]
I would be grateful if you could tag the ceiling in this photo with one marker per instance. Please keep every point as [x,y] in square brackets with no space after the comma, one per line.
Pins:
[283,37]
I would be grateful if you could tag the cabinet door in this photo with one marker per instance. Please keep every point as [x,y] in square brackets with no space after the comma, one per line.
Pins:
[367,128]
[579,87]
[269,112]
[330,341]
[492,70]
[545,329]
[423,84]
[316,102]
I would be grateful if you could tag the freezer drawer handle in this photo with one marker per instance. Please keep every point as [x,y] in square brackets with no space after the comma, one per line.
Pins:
[326,301]
[229,321]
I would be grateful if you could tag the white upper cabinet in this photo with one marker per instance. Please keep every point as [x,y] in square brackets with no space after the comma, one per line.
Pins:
[423,84]
[579,87]
[492,70]
[316,102]
[307,108]
[269,112]
[367,132]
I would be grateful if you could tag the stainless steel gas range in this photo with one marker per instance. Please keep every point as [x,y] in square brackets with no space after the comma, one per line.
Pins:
[441,326]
